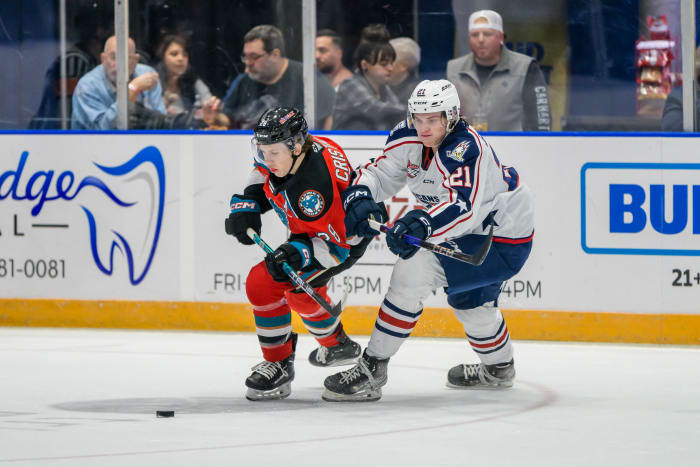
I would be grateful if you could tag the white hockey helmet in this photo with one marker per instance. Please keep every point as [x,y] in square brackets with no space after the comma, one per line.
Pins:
[435,96]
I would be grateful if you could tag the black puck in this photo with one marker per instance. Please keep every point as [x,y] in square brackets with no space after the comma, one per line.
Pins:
[165,413]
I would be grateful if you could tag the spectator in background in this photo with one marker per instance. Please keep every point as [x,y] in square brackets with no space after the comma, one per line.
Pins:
[499,90]
[672,119]
[183,91]
[95,97]
[329,57]
[365,101]
[93,29]
[404,75]
[271,80]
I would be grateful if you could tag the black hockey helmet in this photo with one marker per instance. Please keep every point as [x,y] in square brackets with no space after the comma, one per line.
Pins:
[281,125]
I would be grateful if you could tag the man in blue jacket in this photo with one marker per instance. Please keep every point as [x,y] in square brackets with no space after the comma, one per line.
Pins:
[95,97]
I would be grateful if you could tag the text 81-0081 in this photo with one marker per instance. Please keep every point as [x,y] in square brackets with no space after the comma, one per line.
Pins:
[33,268]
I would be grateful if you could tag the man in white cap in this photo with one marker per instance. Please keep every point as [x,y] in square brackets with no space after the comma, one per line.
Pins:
[499,90]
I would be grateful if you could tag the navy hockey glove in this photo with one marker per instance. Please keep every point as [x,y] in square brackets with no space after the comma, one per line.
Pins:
[416,223]
[245,212]
[297,253]
[359,205]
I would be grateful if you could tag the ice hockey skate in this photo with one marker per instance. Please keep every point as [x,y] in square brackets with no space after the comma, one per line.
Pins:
[363,382]
[345,352]
[271,380]
[480,376]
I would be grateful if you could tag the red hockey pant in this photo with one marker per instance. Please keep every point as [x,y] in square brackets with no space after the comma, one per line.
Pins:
[272,304]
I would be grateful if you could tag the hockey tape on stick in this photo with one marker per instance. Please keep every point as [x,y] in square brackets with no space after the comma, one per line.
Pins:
[476,259]
[298,281]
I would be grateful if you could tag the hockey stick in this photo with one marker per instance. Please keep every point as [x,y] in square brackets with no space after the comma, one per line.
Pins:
[310,279]
[476,259]
[301,283]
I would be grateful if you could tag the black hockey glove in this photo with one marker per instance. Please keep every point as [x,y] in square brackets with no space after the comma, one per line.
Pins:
[297,253]
[359,205]
[416,223]
[245,212]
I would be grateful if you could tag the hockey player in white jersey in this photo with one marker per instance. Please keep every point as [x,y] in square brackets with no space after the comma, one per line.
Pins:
[455,174]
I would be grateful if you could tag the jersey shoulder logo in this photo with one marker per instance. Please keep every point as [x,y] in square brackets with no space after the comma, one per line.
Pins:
[458,152]
[311,203]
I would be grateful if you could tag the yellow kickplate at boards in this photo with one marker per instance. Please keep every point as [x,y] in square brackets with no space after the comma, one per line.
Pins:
[575,326]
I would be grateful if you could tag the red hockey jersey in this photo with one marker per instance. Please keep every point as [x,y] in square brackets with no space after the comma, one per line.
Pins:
[309,202]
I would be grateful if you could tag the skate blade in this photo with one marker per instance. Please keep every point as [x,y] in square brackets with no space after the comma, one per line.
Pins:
[344,362]
[369,395]
[481,386]
[274,394]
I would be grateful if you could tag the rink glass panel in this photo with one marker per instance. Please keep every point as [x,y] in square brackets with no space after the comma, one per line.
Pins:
[598,78]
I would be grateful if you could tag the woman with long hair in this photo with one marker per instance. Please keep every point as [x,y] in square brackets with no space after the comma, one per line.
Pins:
[183,91]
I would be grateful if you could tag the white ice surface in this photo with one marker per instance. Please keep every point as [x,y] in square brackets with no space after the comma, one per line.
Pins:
[88,398]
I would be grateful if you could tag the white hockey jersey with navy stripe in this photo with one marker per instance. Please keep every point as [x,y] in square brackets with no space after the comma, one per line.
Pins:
[459,187]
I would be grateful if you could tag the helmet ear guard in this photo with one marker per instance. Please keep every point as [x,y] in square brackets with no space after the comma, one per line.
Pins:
[435,96]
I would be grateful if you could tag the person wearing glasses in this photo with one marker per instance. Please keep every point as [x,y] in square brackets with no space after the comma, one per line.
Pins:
[95,96]
[271,79]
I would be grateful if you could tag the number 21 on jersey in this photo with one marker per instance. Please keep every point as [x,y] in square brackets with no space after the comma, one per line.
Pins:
[461,178]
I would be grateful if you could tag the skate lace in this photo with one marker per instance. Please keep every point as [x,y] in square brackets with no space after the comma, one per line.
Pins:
[268,369]
[348,376]
[471,371]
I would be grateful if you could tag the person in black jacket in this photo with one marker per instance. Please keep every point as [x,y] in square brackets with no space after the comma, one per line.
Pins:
[270,80]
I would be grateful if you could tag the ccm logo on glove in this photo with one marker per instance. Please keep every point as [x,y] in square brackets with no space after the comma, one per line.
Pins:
[354,195]
[245,213]
[240,205]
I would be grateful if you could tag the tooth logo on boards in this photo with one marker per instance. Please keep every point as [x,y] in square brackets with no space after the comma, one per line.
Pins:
[96,196]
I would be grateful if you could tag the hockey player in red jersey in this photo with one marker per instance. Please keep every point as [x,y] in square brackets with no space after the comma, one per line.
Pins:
[464,189]
[301,177]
